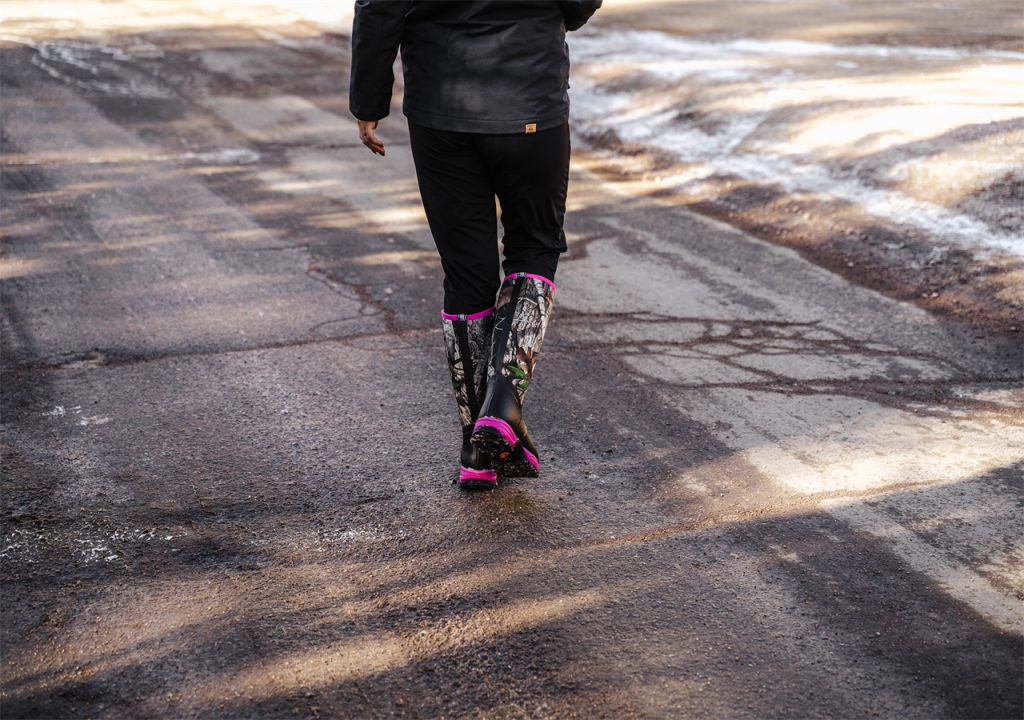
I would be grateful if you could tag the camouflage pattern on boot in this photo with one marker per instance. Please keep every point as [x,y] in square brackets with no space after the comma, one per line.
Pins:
[521,319]
[467,341]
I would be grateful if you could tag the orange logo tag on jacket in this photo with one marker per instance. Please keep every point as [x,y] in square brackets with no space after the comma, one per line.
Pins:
[531,128]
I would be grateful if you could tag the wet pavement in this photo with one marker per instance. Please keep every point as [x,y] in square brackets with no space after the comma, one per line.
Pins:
[767,491]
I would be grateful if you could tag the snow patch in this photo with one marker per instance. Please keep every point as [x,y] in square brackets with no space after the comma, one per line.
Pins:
[93,67]
[60,411]
[674,95]
[94,420]
[652,45]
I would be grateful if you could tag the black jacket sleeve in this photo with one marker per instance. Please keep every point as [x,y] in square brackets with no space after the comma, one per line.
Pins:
[577,12]
[376,35]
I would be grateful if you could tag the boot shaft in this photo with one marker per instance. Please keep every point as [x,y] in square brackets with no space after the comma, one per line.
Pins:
[467,340]
[521,319]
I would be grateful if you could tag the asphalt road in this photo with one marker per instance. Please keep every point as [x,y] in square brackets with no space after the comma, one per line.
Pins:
[229,445]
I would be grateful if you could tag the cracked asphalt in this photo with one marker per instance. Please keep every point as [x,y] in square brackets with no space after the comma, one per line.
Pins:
[228,443]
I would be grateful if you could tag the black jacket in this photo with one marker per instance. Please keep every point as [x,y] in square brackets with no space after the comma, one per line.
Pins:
[485,67]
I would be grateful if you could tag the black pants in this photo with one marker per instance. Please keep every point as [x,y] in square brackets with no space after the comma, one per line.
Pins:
[459,176]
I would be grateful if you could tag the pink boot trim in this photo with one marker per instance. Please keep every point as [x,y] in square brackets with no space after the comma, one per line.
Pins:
[467,474]
[532,459]
[501,426]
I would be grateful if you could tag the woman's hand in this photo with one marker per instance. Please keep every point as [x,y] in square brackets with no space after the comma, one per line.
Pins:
[368,135]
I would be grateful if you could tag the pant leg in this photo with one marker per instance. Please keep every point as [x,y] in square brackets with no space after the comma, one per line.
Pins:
[530,174]
[458,198]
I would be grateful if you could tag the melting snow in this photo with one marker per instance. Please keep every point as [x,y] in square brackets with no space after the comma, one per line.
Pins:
[871,132]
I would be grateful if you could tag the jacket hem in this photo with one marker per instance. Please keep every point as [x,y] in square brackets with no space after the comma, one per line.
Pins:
[487,127]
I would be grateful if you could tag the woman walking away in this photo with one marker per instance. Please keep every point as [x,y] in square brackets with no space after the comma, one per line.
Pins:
[486,97]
